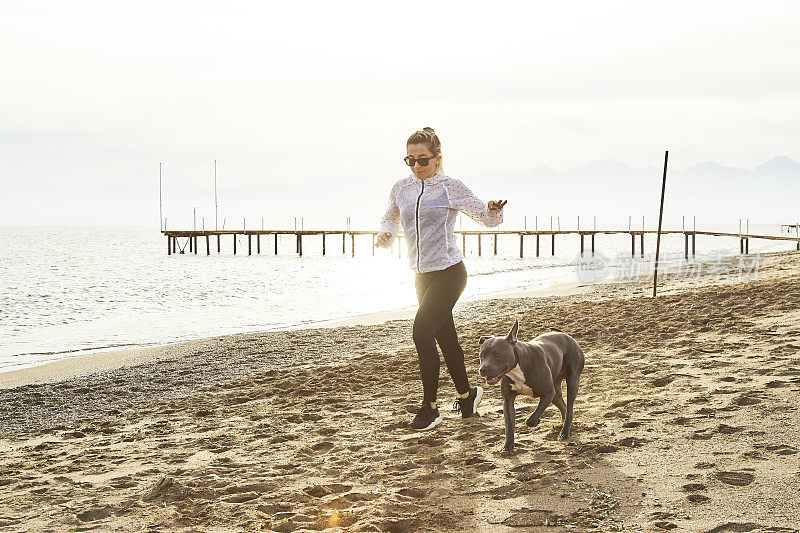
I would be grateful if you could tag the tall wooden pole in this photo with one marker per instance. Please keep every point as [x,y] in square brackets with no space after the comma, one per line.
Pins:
[660,217]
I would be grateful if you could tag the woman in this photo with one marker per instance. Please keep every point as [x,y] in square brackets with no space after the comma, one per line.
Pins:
[426,203]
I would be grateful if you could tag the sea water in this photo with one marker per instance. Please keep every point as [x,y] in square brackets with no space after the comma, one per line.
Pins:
[68,290]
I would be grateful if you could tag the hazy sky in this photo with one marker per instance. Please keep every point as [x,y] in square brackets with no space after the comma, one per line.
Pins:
[307,105]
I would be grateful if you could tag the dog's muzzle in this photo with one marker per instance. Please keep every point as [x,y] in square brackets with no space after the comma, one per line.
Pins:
[491,380]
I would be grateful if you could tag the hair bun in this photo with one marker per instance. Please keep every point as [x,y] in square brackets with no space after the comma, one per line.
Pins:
[428,129]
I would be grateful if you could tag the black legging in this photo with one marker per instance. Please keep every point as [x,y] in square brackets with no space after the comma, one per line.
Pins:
[437,293]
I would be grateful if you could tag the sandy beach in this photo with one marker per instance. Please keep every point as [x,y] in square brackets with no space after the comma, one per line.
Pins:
[687,420]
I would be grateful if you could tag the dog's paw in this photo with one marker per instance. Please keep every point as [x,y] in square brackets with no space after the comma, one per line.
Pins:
[532,421]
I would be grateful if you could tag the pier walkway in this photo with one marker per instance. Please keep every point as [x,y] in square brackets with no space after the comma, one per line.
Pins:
[190,238]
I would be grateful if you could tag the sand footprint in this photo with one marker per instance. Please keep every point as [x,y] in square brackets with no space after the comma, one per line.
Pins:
[737,478]
[782,449]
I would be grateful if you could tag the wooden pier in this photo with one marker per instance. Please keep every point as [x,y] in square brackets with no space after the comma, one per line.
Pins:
[174,238]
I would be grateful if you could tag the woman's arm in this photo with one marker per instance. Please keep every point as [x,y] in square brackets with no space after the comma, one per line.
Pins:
[463,199]
[390,222]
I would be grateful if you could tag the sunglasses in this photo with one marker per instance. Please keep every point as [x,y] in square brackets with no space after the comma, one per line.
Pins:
[423,161]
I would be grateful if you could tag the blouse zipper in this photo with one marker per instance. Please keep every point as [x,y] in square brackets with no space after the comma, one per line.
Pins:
[417,222]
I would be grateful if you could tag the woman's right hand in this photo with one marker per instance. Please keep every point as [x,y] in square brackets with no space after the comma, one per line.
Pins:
[383,239]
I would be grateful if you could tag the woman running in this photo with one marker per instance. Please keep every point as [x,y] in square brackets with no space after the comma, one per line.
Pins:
[426,204]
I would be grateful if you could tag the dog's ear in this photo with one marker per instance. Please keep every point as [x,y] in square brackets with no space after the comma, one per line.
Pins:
[484,338]
[512,335]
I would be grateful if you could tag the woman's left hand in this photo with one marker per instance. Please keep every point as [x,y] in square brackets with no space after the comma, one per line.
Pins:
[497,205]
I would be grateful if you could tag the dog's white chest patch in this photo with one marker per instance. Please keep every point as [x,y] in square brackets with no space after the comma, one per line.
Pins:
[518,381]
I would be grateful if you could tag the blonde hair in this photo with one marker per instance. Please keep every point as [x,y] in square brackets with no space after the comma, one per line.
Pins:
[427,136]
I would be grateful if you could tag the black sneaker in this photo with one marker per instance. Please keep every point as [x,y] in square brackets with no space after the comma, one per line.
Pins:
[427,418]
[470,404]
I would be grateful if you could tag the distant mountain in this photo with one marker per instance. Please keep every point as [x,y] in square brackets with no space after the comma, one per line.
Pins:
[614,190]
[712,170]
[780,166]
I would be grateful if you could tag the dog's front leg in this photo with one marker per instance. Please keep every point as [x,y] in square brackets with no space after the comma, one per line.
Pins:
[544,401]
[509,416]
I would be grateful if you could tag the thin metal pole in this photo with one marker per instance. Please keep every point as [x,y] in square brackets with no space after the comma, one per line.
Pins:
[660,216]
[160,202]
[216,205]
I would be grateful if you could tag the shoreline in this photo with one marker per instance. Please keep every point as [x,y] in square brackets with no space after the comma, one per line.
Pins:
[101,359]
[61,368]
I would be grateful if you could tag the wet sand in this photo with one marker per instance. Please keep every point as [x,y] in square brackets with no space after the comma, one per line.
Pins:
[687,419]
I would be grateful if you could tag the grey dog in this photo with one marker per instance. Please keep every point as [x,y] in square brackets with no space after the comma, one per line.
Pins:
[535,368]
